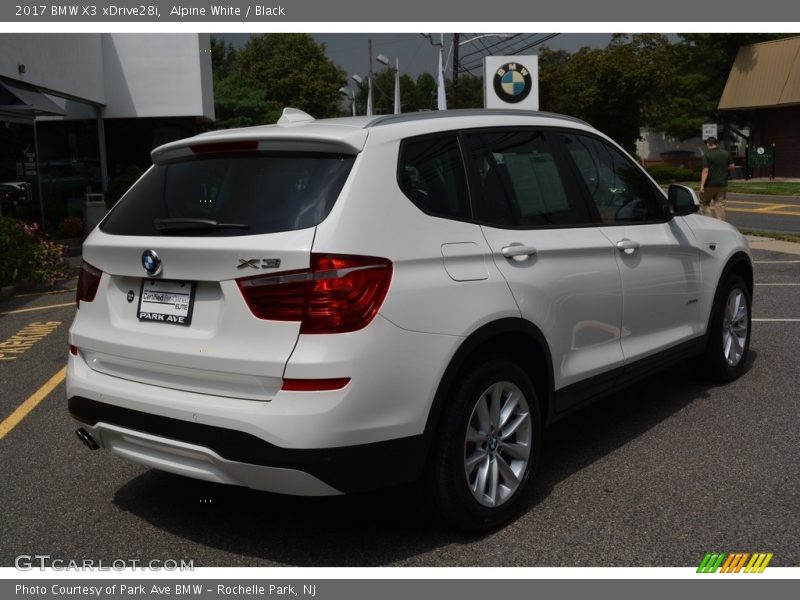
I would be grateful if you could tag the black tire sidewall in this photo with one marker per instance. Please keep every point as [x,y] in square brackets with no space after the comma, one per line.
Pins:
[453,496]
[715,361]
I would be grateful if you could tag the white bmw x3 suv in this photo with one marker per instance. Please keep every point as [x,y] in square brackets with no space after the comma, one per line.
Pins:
[320,307]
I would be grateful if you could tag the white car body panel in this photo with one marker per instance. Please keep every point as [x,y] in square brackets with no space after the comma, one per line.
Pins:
[569,289]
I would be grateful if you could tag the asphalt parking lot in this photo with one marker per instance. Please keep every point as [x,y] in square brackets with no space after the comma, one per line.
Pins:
[655,476]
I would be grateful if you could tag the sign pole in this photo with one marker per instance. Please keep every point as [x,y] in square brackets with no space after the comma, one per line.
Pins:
[38,171]
[773,161]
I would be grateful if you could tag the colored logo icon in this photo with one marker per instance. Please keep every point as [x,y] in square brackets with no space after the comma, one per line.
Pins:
[512,83]
[736,562]
[151,262]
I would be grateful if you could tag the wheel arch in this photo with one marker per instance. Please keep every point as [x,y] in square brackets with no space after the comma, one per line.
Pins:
[740,264]
[520,341]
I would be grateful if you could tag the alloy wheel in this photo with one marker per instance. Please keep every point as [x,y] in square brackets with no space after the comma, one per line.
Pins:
[497,448]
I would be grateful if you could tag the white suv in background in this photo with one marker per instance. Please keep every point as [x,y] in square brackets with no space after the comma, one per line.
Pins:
[322,307]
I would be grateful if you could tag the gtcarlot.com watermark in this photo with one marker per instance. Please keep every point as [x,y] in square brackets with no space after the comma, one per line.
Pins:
[29,562]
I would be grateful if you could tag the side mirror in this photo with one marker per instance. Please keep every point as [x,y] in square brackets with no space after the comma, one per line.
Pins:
[682,200]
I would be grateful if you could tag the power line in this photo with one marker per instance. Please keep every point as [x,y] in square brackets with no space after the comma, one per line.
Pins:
[508,46]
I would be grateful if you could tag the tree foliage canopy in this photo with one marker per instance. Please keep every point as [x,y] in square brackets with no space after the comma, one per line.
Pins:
[644,80]
[638,80]
[272,71]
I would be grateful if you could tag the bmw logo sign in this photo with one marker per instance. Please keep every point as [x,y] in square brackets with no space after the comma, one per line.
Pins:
[151,262]
[512,83]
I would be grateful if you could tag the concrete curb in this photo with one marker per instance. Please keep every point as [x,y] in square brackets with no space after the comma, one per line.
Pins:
[773,245]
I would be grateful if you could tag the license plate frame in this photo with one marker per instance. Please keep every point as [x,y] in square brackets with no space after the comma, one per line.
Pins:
[166,301]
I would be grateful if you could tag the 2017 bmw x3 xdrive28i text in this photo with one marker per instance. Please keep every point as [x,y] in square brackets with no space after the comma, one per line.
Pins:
[321,307]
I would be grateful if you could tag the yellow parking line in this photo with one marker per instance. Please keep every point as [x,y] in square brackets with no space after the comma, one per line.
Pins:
[24,310]
[23,409]
[782,213]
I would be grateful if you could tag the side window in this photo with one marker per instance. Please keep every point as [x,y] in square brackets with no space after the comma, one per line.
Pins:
[620,191]
[519,181]
[431,174]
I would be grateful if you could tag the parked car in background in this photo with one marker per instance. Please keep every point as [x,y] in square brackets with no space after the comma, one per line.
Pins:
[12,194]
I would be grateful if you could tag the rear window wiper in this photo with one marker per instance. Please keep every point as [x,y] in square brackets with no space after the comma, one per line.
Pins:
[195,225]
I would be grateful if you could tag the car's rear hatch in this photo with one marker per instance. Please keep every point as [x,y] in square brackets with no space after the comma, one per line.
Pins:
[210,212]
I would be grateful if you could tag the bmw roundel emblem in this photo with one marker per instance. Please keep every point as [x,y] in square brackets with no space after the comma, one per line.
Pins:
[512,83]
[151,262]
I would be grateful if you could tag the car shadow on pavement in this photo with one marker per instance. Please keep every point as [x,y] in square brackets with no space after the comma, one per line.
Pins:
[388,526]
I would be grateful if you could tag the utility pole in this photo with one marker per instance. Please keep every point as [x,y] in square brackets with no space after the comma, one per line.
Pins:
[369,77]
[369,58]
[455,69]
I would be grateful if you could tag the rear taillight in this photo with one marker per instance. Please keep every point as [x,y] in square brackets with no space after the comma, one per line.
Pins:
[88,280]
[337,294]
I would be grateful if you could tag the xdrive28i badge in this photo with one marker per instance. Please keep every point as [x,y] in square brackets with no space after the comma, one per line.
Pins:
[151,262]
[512,82]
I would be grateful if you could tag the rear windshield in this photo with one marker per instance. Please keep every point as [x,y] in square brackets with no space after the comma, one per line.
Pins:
[243,194]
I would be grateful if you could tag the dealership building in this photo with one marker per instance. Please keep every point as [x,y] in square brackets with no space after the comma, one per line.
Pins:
[764,83]
[77,110]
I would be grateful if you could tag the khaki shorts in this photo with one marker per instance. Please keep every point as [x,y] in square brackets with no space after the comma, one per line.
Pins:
[712,197]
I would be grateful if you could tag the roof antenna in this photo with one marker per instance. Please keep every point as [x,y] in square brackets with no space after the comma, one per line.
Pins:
[294,115]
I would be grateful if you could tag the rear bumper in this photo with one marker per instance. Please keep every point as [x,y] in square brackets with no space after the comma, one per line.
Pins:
[238,458]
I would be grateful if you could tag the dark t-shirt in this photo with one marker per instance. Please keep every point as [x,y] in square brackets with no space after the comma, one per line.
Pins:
[717,161]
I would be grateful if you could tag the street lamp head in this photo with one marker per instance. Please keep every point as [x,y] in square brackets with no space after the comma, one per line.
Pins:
[382,59]
[344,91]
[357,78]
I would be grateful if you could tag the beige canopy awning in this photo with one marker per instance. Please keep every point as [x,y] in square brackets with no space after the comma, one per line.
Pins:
[765,75]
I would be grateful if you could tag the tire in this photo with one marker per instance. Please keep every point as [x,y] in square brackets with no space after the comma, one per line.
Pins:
[487,446]
[728,332]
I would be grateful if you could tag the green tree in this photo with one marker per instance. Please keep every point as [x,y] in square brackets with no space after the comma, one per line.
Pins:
[612,88]
[271,72]
[699,71]
[292,70]
[222,57]
[423,97]
[383,92]
[553,68]
[470,92]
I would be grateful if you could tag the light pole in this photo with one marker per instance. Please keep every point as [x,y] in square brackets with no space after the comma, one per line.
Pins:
[350,96]
[360,80]
[385,61]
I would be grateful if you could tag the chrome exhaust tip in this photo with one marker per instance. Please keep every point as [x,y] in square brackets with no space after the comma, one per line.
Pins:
[86,438]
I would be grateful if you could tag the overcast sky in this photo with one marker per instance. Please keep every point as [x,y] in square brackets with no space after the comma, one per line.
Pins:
[416,54]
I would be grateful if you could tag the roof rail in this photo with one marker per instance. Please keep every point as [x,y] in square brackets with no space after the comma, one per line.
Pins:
[463,112]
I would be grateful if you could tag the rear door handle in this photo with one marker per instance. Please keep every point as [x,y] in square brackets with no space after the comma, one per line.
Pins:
[518,252]
[628,246]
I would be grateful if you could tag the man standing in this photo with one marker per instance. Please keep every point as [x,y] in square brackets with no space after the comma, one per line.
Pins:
[714,179]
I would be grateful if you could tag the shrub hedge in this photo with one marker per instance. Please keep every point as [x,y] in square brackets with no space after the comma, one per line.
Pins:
[27,256]
[669,173]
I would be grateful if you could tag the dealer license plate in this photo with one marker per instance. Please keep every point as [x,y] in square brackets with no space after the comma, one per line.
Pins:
[166,301]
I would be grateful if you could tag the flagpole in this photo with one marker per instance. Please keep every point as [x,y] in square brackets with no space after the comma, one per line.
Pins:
[397,109]
[441,96]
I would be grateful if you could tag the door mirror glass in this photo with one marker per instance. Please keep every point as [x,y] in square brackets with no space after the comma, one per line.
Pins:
[682,200]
